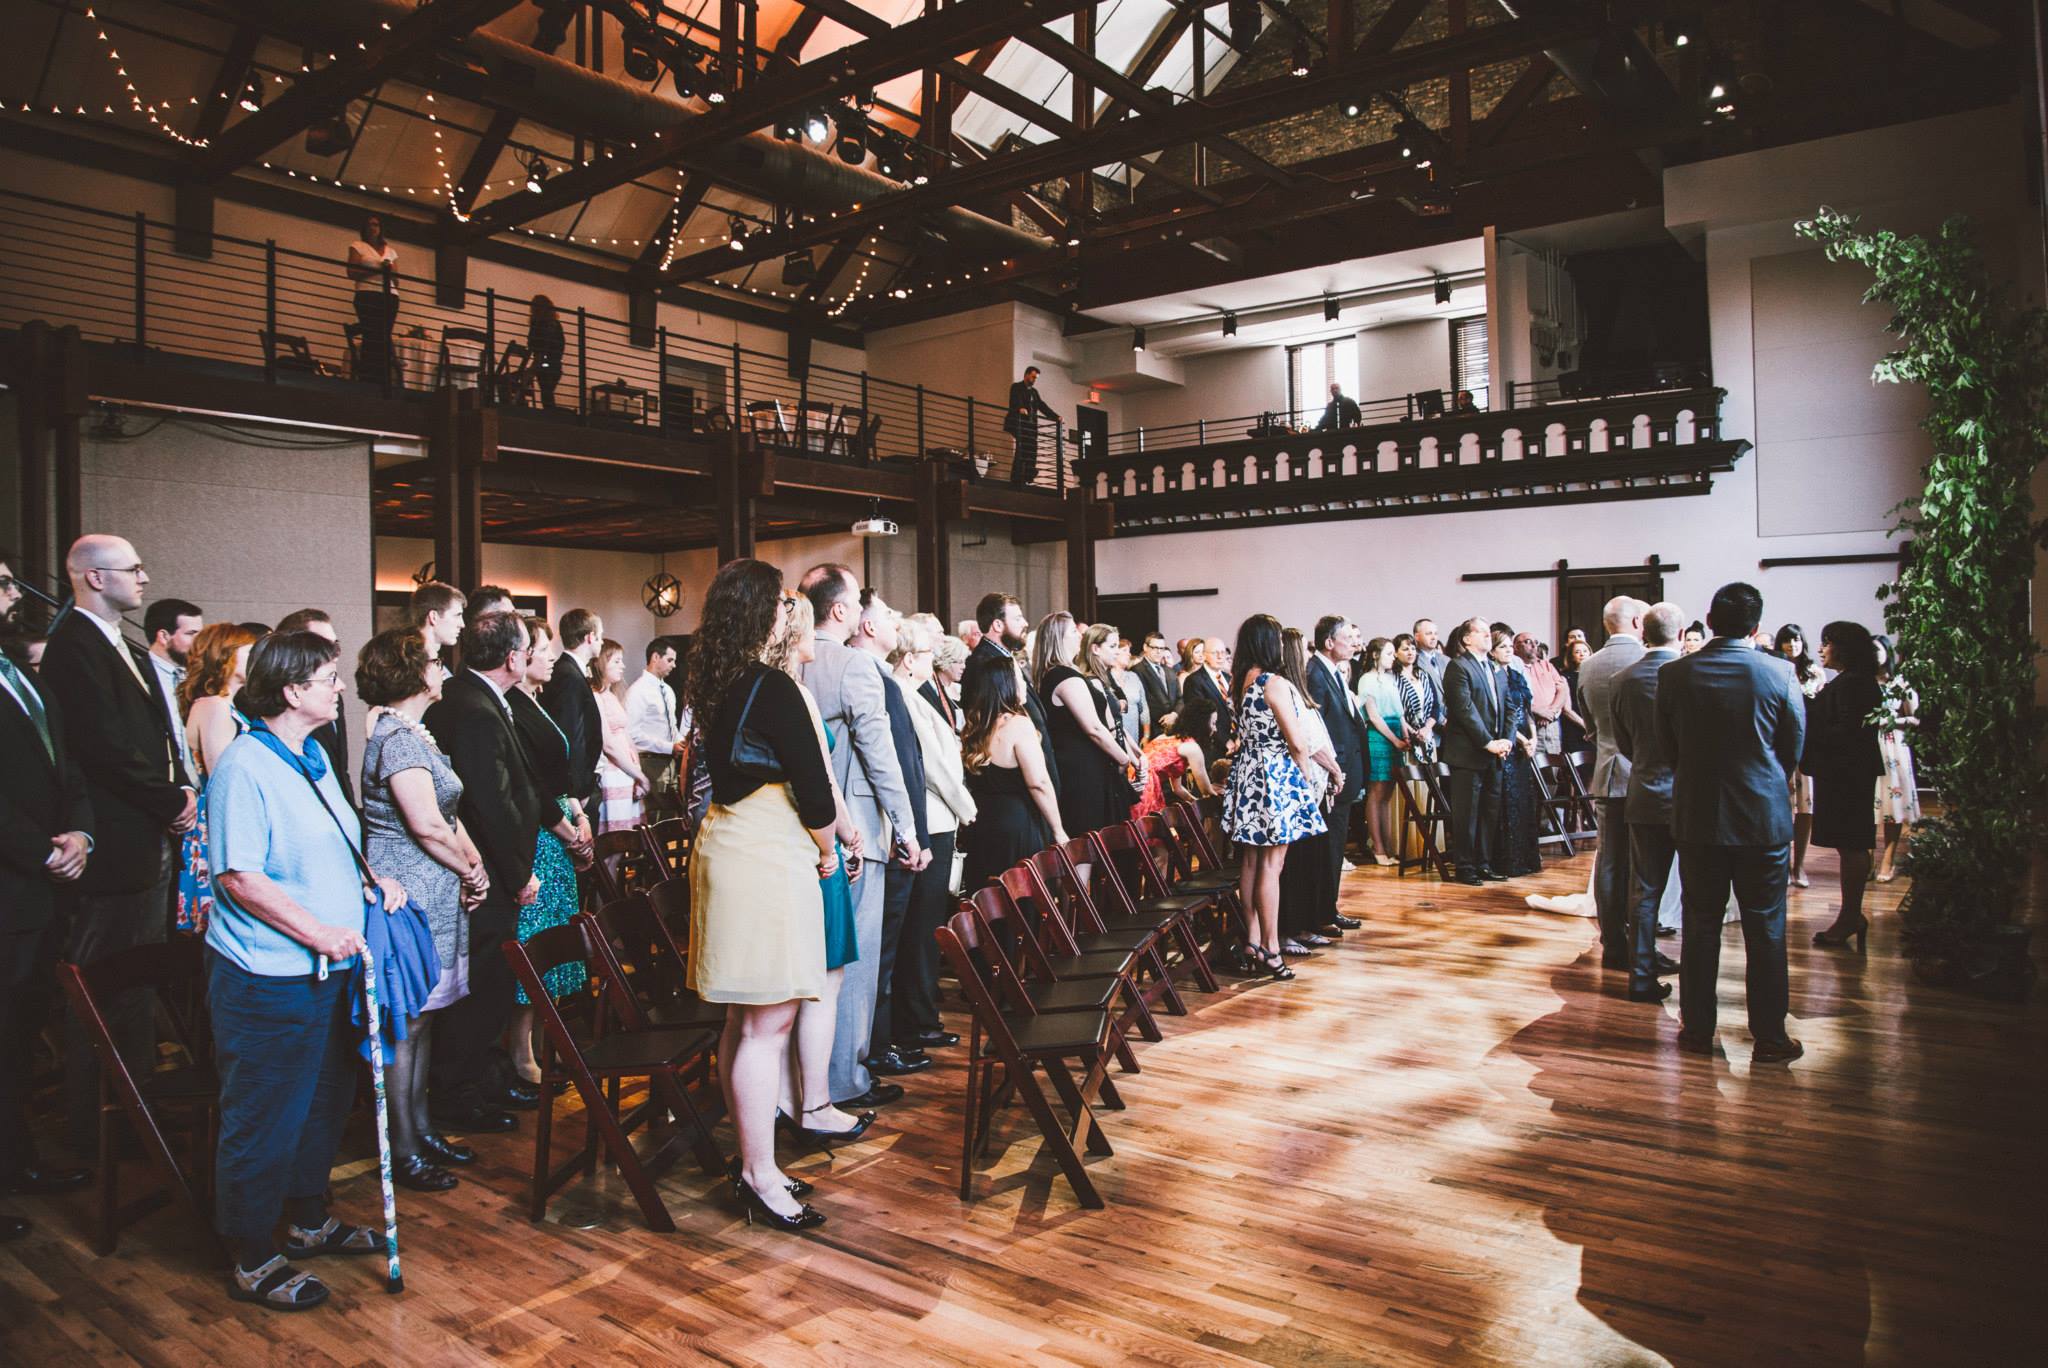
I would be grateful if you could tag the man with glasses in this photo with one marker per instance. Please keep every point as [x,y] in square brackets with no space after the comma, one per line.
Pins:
[117,726]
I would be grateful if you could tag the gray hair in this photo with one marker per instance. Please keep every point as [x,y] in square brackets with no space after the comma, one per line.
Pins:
[1663,624]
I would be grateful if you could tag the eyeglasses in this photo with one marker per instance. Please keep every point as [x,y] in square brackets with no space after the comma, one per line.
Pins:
[7,583]
[135,569]
[332,679]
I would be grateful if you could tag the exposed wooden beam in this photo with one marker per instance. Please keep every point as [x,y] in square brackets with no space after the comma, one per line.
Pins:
[1530,84]
[695,187]
[227,83]
[482,158]
[1149,59]
[326,92]
[1391,27]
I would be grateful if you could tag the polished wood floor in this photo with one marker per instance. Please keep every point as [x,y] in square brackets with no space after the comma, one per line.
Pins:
[1450,1141]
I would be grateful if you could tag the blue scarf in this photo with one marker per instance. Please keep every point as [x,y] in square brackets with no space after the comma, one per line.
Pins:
[312,762]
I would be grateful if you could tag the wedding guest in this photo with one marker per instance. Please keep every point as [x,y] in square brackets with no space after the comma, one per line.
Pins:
[1160,681]
[284,848]
[1128,696]
[1518,853]
[1429,656]
[1004,645]
[412,834]
[1695,636]
[1422,703]
[1329,685]
[1210,679]
[569,700]
[1898,789]
[969,632]
[942,690]
[914,1010]
[1474,745]
[1308,880]
[491,598]
[1383,708]
[1648,805]
[620,781]
[1017,811]
[655,728]
[435,612]
[562,846]
[757,918]
[1732,720]
[171,624]
[544,343]
[1612,888]
[1790,643]
[219,661]
[1548,693]
[1571,738]
[1175,768]
[1267,804]
[372,264]
[1069,672]
[1844,760]
[333,737]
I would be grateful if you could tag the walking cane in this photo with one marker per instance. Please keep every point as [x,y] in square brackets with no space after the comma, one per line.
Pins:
[394,1281]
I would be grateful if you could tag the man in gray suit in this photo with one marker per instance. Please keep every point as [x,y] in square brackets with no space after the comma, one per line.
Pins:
[1733,721]
[1623,617]
[1649,797]
[849,687]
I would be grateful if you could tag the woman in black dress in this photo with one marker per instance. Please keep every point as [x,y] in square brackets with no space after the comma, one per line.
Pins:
[1519,854]
[1843,760]
[1016,814]
[544,343]
[1087,732]
[1571,734]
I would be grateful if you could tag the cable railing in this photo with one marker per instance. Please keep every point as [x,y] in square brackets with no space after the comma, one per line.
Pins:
[298,319]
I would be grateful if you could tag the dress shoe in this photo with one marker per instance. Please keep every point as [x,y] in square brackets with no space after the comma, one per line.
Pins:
[894,1063]
[442,1150]
[1345,923]
[933,1040]
[1656,992]
[1469,880]
[13,1228]
[1666,931]
[1776,1051]
[41,1182]
[477,1120]
[1693,1043]
[1493,876]
[1666,964]
[880,1095]
[421,1174]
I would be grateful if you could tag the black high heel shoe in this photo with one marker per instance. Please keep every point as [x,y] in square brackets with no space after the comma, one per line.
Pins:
[807,1218]
[826,1139]
[798,1188]
[417,1172]
[1839,936]
[1275,964]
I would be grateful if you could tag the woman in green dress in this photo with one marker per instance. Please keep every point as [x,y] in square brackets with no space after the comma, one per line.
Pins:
[558,901]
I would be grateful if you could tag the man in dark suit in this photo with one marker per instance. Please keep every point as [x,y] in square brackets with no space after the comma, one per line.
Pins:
[45,841]
[1020,420]
[1648,805]
[1211,683]
[1329,674]
[118,729]
[472,1086]
[1156,675]
[1475,742]
[877,634]
[568,699]
[1732,719]
[333,737]
[1340,413]
[1003,628]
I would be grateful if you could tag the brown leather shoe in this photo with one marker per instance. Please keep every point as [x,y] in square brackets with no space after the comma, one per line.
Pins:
[1777,1051]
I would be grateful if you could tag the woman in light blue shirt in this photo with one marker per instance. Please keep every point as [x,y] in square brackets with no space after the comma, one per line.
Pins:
[282,844]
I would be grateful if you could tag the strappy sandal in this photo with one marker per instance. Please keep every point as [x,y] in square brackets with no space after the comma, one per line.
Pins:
[1276,966]
[277,1285]
[331,1238]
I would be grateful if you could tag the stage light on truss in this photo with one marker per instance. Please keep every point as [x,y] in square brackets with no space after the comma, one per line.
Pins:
[817,126]
[737,226]
[536,174]
[641,61]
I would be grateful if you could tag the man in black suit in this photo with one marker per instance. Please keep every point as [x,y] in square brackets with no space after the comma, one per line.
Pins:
[568,699]
[1003,627]
[1209,682]
[1329,674]
[1161,684]
[1340,413]
[472,1086]
[333,737]
[1732,719]
[1020,420]
[1648,805]
[118,729]
[45,841]
[1475,742]
[877,633]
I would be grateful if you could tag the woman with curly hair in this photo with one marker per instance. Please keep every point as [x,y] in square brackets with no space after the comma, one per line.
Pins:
[217,667]
[757,916]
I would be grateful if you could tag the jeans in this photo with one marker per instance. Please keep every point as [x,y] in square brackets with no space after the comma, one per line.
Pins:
[914,999]
[1612,890]
[285,1050]
[1758,875]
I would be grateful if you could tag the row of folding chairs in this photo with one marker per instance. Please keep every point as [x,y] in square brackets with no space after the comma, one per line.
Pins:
[1066,955]
[1564,810]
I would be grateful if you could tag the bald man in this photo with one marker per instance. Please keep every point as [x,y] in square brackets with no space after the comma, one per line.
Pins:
[1613,888]
[118,728]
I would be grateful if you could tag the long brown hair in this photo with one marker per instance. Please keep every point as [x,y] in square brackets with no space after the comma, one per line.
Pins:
[1294,663]
[740,609]
[988,694]
[605,651]
[212,661]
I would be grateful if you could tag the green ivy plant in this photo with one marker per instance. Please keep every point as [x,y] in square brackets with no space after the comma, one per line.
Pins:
[1959,608]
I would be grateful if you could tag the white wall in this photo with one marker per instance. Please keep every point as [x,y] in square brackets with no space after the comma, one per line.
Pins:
[1402,358]
[1832,453]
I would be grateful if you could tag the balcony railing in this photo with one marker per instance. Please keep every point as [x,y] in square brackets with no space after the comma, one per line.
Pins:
[293,318]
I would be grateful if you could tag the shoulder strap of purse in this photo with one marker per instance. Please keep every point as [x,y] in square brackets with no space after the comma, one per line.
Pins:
[362,865]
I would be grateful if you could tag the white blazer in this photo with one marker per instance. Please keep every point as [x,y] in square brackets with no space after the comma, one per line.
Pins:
[947,804]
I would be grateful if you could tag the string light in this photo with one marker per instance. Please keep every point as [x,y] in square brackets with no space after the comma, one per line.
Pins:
[135,100]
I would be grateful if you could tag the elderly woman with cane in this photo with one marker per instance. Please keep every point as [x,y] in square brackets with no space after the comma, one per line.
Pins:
[284,848]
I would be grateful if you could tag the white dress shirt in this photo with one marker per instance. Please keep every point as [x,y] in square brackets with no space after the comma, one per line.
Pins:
[651,715]
[171,676]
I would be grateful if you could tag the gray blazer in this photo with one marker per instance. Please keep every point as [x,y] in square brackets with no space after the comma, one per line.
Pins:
[848,685]
[1596,705]
[1636,739]
[1733,720]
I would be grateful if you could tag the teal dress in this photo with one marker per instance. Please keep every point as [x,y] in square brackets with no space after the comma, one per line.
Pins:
[840,949]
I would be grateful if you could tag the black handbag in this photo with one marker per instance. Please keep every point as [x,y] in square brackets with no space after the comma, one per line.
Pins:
[753,755]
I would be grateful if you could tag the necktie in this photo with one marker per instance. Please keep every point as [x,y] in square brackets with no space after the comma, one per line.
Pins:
[30,701]
[128,659]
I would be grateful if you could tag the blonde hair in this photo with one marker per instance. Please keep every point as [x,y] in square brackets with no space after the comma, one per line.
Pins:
[912,634]
[950,651]
[781,654]
[1057,642]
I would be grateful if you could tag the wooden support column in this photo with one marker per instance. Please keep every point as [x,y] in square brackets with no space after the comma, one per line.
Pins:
[742,475]
[941,501]
[1087,523]
[463,439]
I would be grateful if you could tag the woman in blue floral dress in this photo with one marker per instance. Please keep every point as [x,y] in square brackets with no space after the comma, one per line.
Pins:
[1267,802]
[558,900]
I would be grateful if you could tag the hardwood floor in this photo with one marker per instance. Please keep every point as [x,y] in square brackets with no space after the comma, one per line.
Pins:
[1451,1140]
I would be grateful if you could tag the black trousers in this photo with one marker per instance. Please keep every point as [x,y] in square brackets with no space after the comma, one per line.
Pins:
[914,987]
[1649,862]
[1613,892]
[1024,461]
[468,1057]
[101,924]
[896,889]
[28,983]
[1474,796]
[376,311]
[1307,892]
[1757,874]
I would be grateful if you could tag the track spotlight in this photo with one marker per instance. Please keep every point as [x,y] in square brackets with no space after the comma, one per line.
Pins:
[1443,289]
[817,127]
[799,269]
[853,136]
[1299,66]
[640,60]
[1681,30]
[1330,309]
[1137,339]
[885,159]
[1229,323]
[252,96]
[737,226]
[789,128]
[1352,107]
[536,174]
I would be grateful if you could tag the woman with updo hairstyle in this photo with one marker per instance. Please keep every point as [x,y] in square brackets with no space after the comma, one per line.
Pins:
[215,671]
[757,918]
[621,783]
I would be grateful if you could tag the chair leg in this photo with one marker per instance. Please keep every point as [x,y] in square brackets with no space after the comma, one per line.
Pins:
[110,1177]
[1168,994]
[685,1112]
[967,1123]
[620,1150]
[1085,1128]
[1184,936]
[1056,1139]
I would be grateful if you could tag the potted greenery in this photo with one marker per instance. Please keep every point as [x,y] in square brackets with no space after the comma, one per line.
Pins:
[1959,608]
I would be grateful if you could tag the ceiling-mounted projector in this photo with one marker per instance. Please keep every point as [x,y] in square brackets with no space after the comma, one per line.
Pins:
[874,527]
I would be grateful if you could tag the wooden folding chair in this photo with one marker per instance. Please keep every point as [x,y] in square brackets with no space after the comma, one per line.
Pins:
[1073,915]
[1147,892]
[667,846]
[1553,826]
[658,1054]
[1028,909]
[1026,981]
[1429,818]
[1577,814]
[620,863]
[176,972]
[1020,1046]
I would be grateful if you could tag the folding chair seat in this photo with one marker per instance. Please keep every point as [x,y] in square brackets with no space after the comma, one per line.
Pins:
[1065,901]
[1145,847]
[1027,983]
[1428,817]
[658,1054]
[620,865]
[1050,949]
[643,967]
[188,1095]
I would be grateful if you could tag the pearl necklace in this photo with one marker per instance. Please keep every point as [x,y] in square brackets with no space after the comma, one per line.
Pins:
[419,728]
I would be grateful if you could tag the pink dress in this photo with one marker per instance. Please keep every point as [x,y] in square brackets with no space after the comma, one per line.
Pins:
[618,809]
[1163,764]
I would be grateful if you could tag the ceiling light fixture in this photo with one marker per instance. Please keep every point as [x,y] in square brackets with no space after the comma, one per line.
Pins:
[640,60]
[252,97]
[1330,308]
[536,174]
[738,228]
[817,127]
[1229,323]
[1300,64]
[1137,339]
[853,136]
